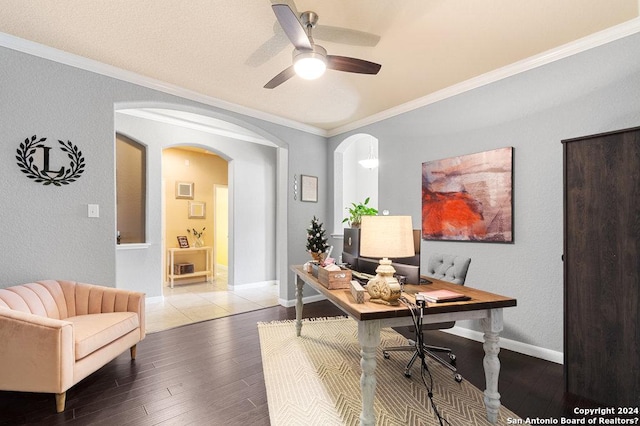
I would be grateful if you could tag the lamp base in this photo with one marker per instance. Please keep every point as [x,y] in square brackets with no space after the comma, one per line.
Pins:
[384,287]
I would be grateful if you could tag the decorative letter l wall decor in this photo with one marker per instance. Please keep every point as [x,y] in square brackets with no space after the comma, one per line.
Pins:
[43,174]
[469,198]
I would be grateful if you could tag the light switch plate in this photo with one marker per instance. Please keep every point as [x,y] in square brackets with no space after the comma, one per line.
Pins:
[93,210]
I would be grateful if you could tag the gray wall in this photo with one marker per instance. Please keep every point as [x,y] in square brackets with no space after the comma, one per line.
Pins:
[593,92]
[46,233]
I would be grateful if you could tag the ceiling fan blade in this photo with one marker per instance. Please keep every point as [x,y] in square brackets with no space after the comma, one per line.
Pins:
[346,64]
[345,36]
[292,26]
[270,48]
[284,75]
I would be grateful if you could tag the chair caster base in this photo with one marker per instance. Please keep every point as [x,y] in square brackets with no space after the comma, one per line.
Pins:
[407,374]
[452,359]
[386,355]
[458,378]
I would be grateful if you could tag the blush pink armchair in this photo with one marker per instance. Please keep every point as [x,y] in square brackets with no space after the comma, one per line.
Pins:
[53,334]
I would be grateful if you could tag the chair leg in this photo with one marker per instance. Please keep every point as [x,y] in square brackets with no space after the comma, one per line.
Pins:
[132,350]
[440,360]
[60,401]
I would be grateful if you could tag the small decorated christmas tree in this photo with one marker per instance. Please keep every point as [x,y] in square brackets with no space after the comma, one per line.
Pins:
[316,240]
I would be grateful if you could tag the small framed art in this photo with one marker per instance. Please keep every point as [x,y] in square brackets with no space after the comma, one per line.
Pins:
[197,209]
[309,186]
[183,242]
[184,190]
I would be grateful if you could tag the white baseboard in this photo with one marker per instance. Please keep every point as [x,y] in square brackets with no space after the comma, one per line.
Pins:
[254,284]
[512,345]
[154,299]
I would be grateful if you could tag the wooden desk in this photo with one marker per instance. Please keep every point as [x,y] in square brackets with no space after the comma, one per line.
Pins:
[371,317]
[207,272]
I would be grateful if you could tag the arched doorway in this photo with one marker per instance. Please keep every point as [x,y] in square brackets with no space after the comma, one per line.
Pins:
[251,152]
[353,181]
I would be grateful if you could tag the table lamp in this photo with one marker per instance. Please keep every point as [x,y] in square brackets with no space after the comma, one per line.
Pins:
[385,237]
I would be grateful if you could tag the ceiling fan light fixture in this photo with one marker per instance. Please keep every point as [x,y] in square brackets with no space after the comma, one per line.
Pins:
[369,163]
[310,64]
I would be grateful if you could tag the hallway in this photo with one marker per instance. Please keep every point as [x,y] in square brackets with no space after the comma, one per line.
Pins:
[191,303]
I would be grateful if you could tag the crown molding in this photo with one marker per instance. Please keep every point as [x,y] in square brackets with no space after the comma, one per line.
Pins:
[80,62]
[586,43]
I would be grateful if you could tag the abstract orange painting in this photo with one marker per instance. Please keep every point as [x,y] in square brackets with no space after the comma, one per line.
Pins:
[469,198]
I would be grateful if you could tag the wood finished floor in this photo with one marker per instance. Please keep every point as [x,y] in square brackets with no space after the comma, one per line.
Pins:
[211,373]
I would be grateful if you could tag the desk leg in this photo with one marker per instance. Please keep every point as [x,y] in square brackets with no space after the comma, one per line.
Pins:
[492,326]
[299,285]
[369,338]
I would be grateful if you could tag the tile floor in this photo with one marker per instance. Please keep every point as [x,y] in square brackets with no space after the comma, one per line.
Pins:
[189,303]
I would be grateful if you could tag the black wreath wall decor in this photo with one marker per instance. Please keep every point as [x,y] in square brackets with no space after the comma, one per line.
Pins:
[63,176]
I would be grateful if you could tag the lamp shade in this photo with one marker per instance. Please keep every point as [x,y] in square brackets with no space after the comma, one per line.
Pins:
[386,236]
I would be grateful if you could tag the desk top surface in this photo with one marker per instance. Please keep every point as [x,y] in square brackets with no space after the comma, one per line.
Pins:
[479,299]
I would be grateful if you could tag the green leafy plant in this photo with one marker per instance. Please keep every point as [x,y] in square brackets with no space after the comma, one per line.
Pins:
[356,211]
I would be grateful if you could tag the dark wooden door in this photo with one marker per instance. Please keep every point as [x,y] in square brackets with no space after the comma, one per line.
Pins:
[601,267]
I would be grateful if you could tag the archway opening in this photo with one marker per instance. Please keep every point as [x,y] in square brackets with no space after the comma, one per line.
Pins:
[354,183]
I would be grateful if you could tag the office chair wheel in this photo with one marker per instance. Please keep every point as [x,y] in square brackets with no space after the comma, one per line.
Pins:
[386,355]
[458,378]
[452,359]
[407,374]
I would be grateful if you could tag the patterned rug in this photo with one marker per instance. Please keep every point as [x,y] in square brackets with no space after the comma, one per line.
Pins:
[315,380]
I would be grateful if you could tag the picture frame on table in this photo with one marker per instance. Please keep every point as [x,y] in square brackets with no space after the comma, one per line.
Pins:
[183,242]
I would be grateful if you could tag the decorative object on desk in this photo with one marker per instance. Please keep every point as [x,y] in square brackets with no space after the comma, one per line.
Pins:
[439,296]
[333,277]
[184,190]
[182,241]
[357,291]
[316,240]
[328,357]
[197,209]
[469,198]
[356,211]
[384,237]
[309,188]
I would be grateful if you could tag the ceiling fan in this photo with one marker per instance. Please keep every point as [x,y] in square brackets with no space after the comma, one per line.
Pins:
[310,60]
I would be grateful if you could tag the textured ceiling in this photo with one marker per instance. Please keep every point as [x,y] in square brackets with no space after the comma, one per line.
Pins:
[229,49]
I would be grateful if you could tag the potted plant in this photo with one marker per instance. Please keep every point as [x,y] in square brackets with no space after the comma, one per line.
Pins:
[316,240]
[357,211]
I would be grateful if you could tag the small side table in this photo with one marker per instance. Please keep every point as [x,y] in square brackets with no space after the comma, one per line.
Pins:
[207,272]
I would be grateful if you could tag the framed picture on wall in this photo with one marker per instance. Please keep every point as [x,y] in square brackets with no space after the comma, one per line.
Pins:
[197,209]
[309,188]
[469,197]
[183,242]
[184,190]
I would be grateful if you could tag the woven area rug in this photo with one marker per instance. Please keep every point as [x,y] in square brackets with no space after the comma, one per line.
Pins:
[315,380]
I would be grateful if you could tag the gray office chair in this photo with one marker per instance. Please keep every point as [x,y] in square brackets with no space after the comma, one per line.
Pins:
[444,267]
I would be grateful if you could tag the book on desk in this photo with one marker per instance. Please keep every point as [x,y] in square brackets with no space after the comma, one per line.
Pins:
[441,296]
